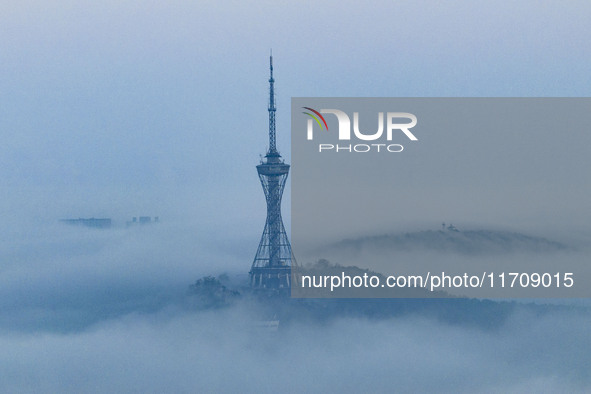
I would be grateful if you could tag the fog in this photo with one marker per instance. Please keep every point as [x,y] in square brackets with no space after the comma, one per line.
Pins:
[51,271]
[88,310]
[180,351]
[119,109]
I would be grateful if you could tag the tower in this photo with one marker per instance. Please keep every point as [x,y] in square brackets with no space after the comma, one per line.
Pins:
[271,267]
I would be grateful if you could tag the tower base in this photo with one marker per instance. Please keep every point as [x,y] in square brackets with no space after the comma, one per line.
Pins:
[270,277]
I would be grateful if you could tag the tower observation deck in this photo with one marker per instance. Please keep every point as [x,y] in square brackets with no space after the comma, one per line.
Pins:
[271,268]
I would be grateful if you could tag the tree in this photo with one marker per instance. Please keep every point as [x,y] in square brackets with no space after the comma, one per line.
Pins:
[210,293]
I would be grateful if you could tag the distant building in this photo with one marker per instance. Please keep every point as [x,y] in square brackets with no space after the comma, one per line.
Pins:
[453,228]
[143,220]
[91,222]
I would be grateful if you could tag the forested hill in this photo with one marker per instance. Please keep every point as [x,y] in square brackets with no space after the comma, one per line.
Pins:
[465,242]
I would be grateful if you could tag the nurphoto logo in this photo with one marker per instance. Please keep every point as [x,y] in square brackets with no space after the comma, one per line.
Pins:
[395,122]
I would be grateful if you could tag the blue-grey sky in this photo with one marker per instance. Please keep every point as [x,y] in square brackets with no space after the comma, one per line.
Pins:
[125,108]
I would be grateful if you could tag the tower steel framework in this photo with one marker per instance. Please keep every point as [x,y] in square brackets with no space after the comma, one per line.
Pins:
[271,267]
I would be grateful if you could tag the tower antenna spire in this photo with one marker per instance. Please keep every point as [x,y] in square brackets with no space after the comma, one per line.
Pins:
[272,109]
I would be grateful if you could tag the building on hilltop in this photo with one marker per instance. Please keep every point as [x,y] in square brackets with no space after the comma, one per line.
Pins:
[91,222]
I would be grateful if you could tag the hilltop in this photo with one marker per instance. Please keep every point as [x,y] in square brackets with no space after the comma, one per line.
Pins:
[468,242]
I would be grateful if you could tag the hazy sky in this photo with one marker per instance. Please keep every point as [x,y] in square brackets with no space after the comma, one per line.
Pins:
[127,108]
[119,109]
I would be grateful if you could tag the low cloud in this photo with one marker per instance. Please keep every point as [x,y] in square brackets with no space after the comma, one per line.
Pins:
[224,351]
[110,311]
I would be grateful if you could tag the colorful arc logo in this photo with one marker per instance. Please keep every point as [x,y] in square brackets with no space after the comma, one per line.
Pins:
[316,118]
